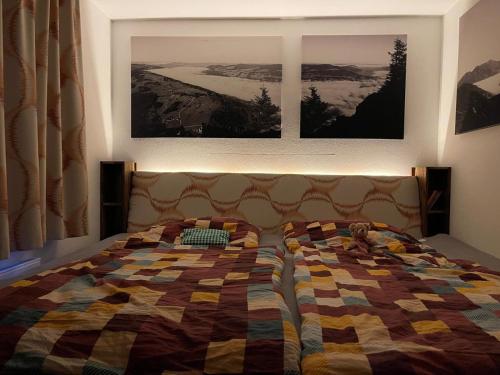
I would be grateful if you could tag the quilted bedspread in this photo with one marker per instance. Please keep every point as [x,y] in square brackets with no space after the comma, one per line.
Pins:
[152,308]
[402,308]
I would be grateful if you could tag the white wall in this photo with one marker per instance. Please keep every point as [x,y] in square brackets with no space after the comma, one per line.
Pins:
[96,40]
[96,33]
[290,153]
[474,156]
[429,133]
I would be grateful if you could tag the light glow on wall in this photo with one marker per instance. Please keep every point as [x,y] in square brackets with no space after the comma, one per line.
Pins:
[314,172]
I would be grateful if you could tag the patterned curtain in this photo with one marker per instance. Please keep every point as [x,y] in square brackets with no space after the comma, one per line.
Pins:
[43,176]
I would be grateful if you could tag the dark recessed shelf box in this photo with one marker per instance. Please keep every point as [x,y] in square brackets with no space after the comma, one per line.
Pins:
[435,189]
[116,177]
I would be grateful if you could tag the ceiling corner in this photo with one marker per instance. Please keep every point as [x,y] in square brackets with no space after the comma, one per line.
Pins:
[100,5]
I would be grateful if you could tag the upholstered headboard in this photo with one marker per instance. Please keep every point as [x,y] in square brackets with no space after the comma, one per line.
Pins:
[269,200]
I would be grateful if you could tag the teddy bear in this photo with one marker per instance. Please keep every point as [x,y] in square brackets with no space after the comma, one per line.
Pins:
[359,233]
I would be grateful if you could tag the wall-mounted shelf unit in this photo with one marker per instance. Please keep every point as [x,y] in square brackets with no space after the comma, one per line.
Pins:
[116,178]
[435,187]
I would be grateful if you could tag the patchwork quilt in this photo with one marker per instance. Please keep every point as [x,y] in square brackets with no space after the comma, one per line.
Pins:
[402,308]
[148,307]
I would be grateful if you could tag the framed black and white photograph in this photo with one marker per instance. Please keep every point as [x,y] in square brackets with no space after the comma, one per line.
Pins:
[478,89]
[213,87]
[353,86]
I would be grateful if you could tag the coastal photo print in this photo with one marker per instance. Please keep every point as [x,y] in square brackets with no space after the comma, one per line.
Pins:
[478,89]
[212,87]
[353,86]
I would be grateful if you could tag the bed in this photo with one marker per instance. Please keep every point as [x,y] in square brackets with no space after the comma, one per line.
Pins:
[232,309]
[400,308]
[152,306]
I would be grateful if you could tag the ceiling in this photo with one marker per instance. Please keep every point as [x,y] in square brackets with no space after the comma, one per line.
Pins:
[144,9]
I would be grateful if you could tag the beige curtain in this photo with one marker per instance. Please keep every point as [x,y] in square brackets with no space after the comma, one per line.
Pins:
[43,176]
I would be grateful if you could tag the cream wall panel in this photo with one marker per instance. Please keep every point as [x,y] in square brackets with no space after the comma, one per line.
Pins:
[270,200]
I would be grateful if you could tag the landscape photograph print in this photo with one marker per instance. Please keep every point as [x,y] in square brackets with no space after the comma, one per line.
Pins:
[478,88]
[353,86]
[211,87]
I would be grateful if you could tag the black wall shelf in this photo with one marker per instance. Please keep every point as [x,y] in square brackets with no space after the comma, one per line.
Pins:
[435,189]
[116,178]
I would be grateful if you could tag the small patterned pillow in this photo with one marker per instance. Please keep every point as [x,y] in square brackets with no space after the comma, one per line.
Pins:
[203,236]
[241,233]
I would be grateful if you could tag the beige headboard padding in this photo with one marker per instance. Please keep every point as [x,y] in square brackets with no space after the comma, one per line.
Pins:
[269,200]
